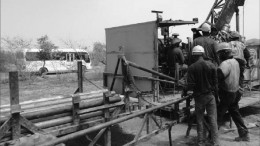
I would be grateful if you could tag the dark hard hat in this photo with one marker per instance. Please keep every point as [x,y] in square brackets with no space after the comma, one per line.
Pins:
[234,34]
[176,40]
[223,47]
[175,34]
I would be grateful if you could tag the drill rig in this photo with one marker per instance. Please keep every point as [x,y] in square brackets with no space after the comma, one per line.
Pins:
[220,16]
[140,43]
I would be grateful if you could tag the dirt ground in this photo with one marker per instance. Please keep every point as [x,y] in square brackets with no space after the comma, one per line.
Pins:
[250,115]
[53,85]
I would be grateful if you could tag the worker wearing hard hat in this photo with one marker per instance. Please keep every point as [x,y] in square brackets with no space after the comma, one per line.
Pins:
[207,43]
[175,35]
[202,79]
[238,51]
[175,56]
[228,75]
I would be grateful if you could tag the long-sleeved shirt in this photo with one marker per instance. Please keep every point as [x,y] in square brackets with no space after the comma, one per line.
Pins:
[238,49]
[202,75]
[231,72]
[210,47]
[175,55]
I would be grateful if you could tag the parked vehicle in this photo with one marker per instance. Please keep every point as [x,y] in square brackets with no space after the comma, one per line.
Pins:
[61,60]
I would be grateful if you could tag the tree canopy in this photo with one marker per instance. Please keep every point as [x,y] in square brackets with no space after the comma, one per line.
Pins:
[45,46]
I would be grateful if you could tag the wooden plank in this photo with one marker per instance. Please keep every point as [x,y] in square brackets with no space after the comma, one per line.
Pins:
[64,129]
[93,142]
[5,127]
[75,109]
[30,126]
[107,134]
[74,128]
[14,100]
[155,132]
[146,117]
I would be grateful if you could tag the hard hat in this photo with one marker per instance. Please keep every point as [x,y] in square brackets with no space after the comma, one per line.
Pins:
[176,41]
[175,34]
[205,27]
[234,35]
[224,46]
[198,50]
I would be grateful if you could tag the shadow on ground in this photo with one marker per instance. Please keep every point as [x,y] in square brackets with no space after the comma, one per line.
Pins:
[119,138]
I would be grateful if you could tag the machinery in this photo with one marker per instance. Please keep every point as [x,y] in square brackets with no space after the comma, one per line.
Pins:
[220,17]
[140,43]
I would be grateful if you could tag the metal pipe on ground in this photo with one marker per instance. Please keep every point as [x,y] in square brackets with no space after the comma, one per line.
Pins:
[83,111]
[54,102]
[62,109]
[110,123]
[54,98]
[60,129]
[66,120]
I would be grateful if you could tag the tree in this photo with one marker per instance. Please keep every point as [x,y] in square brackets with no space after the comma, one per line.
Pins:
[98,54]
[11,52]
[46,47]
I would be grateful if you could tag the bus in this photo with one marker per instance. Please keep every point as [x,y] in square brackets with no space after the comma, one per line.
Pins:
[61,60]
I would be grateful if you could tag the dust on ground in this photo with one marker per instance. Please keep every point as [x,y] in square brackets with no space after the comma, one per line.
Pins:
[250,115]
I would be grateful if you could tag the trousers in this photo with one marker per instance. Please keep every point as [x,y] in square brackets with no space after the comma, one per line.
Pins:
[229,102]
[206,102]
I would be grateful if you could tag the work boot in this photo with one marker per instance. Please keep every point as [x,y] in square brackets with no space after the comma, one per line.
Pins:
[243,137]
[201,143]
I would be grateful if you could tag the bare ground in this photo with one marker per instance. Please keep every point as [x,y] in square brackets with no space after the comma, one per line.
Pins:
[53,85]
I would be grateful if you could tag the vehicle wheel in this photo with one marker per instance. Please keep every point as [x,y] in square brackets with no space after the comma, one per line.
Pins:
[43,71]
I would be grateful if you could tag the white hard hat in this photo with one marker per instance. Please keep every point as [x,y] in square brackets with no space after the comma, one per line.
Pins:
[205,27]
[223,46]
[198,50]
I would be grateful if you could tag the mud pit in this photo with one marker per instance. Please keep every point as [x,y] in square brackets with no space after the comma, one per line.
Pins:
[53,85]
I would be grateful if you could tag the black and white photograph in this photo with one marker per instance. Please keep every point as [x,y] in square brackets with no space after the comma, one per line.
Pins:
[130,73]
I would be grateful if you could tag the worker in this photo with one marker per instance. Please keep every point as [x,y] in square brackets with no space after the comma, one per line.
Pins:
[202,79]
[228,78]
[238,49]
[207,43]
[175,35]
[175,56]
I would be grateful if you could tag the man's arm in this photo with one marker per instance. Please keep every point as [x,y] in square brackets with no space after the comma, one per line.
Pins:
[181,57]
[215,46]
[221,75]
[215,78]
[189,83]
[215,83]
[247,56]
[190,80]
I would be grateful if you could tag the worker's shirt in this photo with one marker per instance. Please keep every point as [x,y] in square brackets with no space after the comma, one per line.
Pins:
[231,72]
[210,47]
[202,75]
[175,55]
[238,49]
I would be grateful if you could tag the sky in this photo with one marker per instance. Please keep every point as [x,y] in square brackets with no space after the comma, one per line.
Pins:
[84,21]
